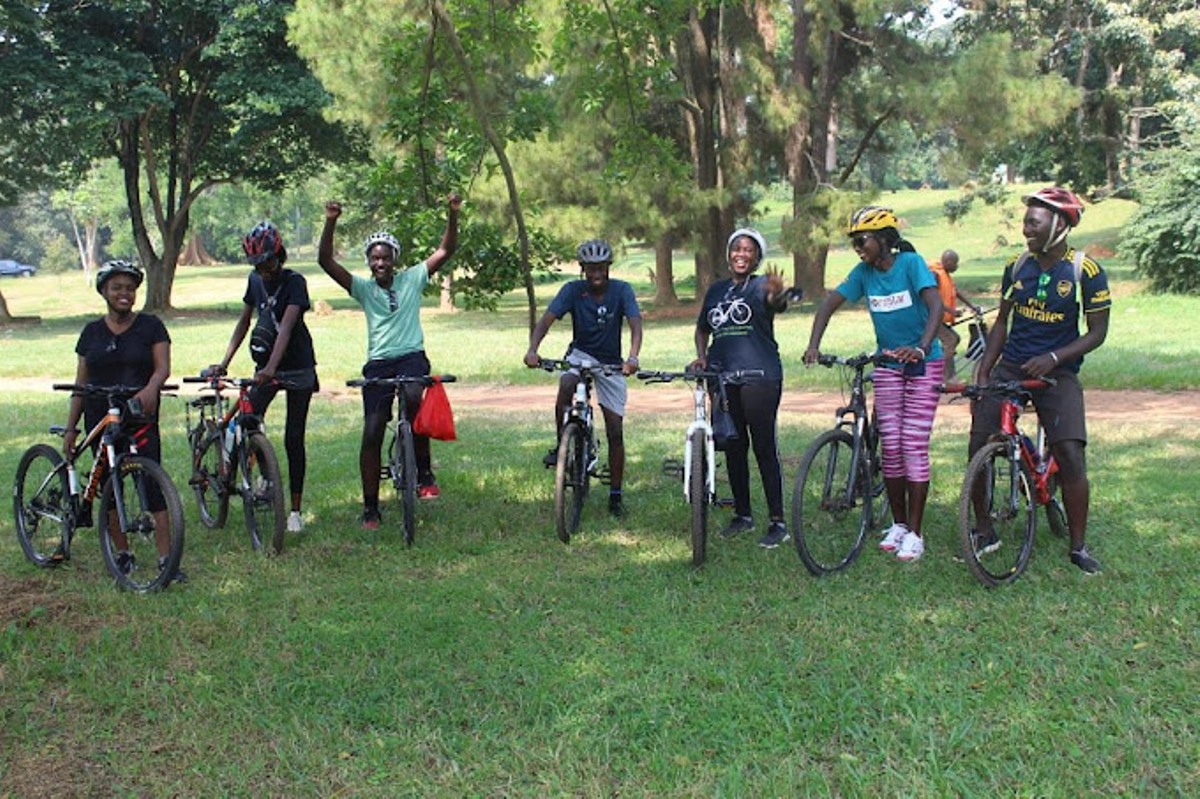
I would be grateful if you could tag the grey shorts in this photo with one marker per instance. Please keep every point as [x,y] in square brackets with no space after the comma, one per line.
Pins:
[611,391]
[1059,407]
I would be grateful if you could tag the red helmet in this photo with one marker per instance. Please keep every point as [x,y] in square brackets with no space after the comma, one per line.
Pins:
[1058,199]
[262,243]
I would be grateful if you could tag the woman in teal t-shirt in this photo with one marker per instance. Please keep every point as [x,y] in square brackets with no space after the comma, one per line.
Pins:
[902,297]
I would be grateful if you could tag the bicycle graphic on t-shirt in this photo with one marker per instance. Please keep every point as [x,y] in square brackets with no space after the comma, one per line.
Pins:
[736,311]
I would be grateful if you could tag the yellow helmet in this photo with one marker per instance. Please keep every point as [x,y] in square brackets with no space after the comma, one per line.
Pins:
[872,218]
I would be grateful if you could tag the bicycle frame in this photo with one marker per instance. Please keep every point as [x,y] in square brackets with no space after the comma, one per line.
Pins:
[1037,456]
[700,422]
[856,416]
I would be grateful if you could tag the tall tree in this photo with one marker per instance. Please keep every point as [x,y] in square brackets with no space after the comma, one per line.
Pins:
[184,94]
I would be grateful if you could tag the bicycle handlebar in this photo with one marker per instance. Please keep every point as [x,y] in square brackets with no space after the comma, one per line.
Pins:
[92,389]
[425,380]
[854,362]
[563,365]
[1008,388]
[659,376]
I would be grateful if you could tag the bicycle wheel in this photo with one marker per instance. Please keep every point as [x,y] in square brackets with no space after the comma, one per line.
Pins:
[698,497]
[408,478]
[570,479]
[1003,491]
[129,526]
[212,496]
[262,494]
[42,504]
[1056,514]
[831,507]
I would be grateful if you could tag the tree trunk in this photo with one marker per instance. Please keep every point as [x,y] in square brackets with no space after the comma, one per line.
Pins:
[195,253]
[664,271]
[5,316]
[498,148]
[446,295]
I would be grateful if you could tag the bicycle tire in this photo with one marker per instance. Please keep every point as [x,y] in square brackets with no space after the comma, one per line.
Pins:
[262,495]
[698,497]
[831,508]
[408,479]
[212,496]
[570,480]
[138,476]
[1056,514]
[1005,491]
[42,504]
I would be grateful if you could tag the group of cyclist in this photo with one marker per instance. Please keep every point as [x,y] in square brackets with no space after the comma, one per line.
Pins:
[735,332]
[1042,292]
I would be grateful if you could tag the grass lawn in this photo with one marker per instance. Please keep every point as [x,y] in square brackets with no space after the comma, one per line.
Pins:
[491,660]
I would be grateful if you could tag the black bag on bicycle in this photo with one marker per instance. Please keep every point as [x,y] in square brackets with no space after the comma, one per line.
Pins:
[724,430]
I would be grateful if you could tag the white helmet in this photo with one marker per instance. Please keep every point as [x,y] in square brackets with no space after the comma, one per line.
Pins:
[751,233]
[382,237]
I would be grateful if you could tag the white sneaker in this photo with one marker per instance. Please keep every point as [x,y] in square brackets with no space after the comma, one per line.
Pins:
[911,548]
[295,522]
[892,537]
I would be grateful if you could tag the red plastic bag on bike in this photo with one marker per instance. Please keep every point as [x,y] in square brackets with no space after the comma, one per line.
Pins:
[434,418]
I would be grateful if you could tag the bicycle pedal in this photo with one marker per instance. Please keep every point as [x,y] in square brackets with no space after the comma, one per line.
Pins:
[672,468]
[385,473]
[723,502]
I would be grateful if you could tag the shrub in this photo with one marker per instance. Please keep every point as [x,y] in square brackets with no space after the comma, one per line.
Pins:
[1163,237]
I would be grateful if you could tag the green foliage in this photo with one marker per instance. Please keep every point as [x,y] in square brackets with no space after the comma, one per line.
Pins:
[1163,239]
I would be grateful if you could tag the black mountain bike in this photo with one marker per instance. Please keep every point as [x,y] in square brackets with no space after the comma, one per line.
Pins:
[840,479]
[231,455]
[401,466]
[49,504]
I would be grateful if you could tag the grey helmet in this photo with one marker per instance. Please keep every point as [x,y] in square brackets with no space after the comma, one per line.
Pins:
[594,251]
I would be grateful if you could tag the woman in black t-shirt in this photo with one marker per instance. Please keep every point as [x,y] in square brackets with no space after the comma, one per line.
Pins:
[739,316]
[124,348]
[282,348]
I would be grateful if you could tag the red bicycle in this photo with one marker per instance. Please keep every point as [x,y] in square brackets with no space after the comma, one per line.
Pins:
[1007,480]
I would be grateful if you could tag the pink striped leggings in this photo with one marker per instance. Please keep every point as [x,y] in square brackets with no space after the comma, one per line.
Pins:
[904,409]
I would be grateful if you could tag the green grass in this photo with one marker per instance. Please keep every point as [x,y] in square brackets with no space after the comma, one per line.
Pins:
[491,660]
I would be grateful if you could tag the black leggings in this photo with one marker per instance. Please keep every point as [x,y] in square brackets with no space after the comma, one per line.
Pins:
[754,408]
[294,429]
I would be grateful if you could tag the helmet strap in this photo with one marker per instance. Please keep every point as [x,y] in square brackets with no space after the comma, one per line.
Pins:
[1058,232]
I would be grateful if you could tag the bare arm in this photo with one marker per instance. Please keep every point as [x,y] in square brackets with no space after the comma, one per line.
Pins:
[148,396]
[996,339]
[325,248]
[1097,331]
[833,300]
[75,408]
[535,339]
[235,341]
[635,345]
[449,238]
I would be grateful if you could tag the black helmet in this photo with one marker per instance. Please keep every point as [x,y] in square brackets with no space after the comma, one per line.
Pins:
[595,251]
[118,267]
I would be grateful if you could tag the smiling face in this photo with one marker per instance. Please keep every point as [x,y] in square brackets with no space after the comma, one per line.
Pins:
[1038,226]
[743,256]
[382,260]
[596,276]
[868,248]
[120,292]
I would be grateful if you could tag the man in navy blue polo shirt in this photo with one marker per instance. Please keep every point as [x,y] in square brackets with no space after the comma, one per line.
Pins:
[597,306]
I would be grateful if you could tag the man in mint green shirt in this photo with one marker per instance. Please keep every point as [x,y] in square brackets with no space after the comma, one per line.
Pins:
[391,302]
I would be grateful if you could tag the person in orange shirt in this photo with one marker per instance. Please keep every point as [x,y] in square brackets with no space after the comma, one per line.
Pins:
[950,293]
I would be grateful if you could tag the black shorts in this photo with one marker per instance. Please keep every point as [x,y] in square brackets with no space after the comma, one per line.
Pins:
[378,399]
[1059,408]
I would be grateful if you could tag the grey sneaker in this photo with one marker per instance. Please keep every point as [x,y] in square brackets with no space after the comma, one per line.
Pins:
[737,525]
[985,542]
[776,534]
[1083,559]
